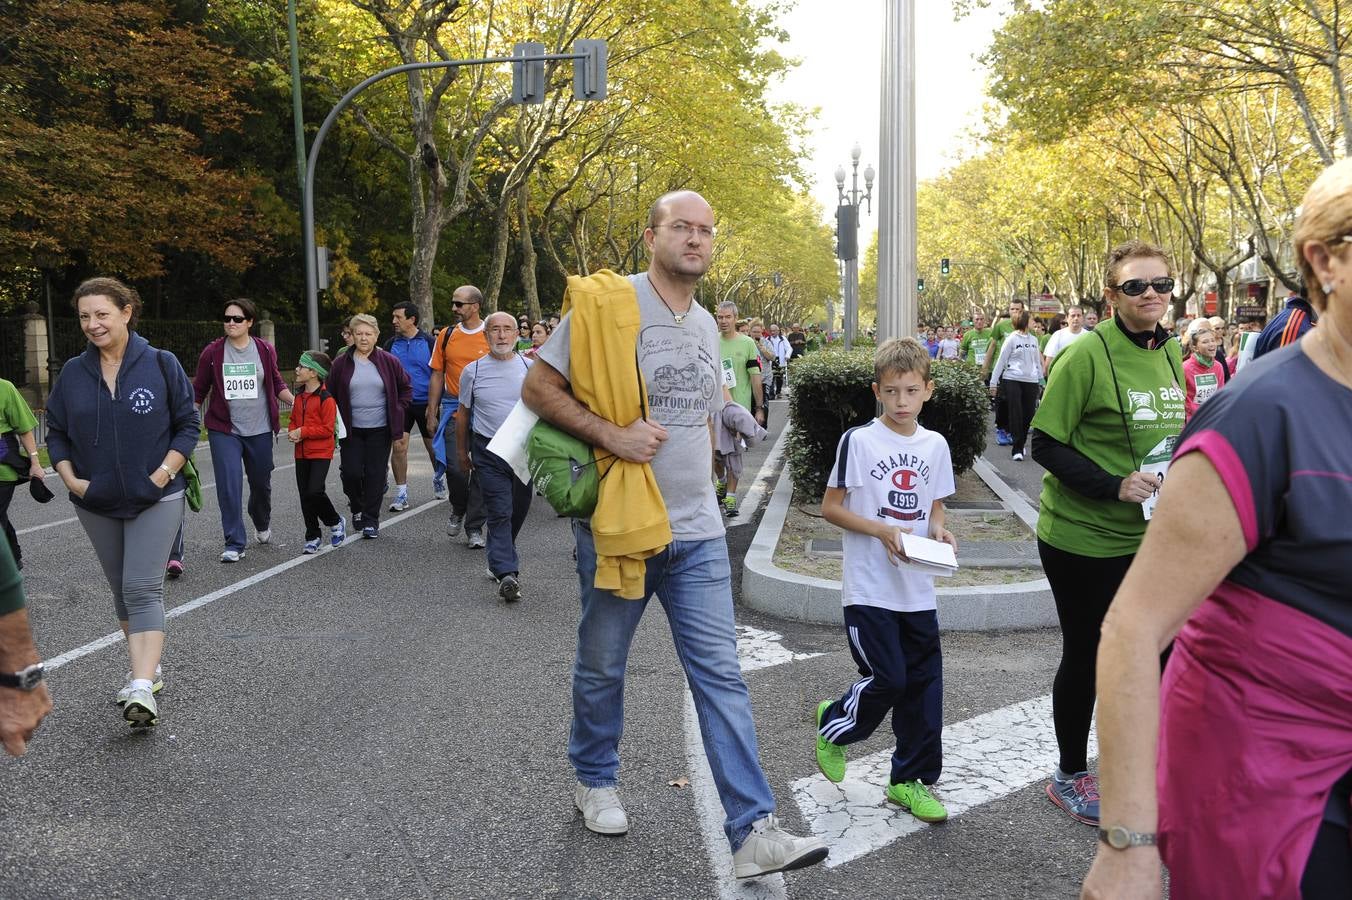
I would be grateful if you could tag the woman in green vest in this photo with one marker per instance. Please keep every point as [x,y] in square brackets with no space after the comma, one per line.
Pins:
[1105,432]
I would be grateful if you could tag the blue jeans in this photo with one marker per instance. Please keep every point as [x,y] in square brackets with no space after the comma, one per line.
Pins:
[692,580]
[232,458]
[506,503]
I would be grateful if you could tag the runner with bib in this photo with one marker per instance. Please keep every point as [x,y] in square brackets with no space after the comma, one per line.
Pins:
[1105,432]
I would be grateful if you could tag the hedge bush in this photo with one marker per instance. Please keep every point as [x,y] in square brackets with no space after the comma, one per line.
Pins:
[832,392]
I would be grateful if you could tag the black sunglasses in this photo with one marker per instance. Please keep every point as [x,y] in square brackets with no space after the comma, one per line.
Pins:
[238,320]
[1135,287]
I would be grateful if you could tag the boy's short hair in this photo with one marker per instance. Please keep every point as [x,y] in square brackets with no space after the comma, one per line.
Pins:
[901,355]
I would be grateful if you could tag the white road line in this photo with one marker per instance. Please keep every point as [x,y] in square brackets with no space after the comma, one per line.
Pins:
[756,649]
[206,484]
[57,662]
[766,476]
[985,758]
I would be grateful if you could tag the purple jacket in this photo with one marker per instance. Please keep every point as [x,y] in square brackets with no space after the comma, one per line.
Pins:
[216,415]
[398,390]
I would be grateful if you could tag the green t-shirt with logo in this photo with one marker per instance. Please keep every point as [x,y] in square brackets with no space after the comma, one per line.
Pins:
[15,416]
[735,353]
[975,345]
[999,331]
[1087,409]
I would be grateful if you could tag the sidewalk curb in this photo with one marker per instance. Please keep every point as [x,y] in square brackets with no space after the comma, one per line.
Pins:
[778,592]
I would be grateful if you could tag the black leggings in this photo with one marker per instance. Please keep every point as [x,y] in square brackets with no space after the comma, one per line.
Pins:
[1021,399]
[1082,587]
[315,505]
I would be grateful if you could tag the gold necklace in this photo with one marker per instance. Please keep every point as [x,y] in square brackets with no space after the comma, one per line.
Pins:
[680,319]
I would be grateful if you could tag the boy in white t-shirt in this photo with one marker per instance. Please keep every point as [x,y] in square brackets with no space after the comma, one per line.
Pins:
[890,476]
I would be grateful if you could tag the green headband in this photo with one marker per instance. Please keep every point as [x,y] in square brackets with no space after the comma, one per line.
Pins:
[309,362]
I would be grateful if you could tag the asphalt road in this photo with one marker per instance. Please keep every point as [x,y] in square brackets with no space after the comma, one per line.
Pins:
[374,722]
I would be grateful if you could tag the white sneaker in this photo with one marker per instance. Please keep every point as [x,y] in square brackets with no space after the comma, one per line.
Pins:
[439,488]
[400,502]
[769,848]
[156,686]
[477,540]
[232,556]
[602,811]
[140,710]
[1018,457]
[264,535]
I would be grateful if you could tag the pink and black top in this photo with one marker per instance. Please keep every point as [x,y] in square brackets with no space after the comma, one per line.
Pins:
[1255,724]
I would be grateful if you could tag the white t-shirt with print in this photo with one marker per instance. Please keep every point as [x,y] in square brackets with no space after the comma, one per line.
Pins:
[894,479]
[1060,340]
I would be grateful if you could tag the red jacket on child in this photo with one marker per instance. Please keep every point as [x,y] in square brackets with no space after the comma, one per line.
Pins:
[316,415]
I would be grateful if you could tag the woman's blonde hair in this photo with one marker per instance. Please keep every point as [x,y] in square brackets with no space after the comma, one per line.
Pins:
[370,321]
[1325,215]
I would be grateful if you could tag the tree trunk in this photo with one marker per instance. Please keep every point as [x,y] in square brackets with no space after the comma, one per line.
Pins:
[498,264]
[526,239]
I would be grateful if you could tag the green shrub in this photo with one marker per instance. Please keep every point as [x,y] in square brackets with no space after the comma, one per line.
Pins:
[832,392]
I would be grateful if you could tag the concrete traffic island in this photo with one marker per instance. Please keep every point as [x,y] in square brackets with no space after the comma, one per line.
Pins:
[768,588]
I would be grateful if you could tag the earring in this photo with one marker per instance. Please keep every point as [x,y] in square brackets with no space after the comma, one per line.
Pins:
[1327,287]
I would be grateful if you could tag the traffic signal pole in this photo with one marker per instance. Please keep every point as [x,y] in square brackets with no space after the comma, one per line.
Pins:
[589,82]
[897,297]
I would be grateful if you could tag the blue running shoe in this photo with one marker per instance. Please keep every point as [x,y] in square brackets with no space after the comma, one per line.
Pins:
[338,533]
[1003,438]
[1077,794]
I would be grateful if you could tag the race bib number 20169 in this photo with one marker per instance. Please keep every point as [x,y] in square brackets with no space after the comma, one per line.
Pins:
[241,381]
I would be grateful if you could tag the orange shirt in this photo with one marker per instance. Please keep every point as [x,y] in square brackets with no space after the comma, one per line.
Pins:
[454,353]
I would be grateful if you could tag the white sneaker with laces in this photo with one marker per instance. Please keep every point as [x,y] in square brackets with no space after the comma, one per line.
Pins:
[477,540]
[602,811]
[264,535]
[1018,457]
[769,848]
[232,556]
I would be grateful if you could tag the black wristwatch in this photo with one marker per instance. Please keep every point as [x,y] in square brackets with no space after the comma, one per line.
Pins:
[25,679]
[1120,838]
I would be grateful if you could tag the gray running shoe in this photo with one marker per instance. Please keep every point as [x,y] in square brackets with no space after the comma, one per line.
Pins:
[509,589]
[455,524]
[476,539]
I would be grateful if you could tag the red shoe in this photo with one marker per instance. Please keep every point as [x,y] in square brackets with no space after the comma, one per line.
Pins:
[174,569]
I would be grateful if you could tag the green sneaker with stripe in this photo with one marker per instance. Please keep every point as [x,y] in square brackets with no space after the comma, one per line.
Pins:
[916,797]
[830,757]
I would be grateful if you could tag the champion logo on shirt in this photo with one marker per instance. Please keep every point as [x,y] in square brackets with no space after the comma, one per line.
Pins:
[903,503]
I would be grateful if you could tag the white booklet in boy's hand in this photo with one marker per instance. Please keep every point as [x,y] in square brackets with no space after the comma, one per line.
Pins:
[925,555]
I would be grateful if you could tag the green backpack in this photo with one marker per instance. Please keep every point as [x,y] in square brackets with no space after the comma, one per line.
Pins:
[563,470]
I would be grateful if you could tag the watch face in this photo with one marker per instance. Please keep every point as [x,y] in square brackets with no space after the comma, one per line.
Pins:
[1119,837]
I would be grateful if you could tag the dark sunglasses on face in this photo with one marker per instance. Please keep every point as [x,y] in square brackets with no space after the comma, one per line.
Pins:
[1135,287]
[238,320]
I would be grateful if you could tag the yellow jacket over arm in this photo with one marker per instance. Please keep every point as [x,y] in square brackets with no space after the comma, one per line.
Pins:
[630,523]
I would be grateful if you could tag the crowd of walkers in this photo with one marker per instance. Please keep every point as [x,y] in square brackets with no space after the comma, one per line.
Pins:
[1210,621]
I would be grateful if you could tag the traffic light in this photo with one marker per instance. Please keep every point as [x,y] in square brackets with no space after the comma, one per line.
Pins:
[943,266]
[920,285]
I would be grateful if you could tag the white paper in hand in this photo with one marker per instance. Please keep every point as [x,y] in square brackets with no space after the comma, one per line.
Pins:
[925,555]
[509,442]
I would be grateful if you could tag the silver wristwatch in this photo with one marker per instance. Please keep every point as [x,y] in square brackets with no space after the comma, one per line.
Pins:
[25,679]
[1120,838]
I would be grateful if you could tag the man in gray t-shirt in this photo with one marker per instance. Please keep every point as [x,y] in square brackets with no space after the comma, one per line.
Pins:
[678,353]
[489,388]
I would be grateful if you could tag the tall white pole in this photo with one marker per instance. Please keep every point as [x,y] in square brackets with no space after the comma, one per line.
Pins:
[896,177]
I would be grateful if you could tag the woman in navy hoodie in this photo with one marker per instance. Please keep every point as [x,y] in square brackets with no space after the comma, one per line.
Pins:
[120,425]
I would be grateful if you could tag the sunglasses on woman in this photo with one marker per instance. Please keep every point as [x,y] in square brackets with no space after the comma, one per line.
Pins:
[1135,287]
[238,320]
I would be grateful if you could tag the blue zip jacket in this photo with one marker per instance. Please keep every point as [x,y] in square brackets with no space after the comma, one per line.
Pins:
[117,440]
[415,355]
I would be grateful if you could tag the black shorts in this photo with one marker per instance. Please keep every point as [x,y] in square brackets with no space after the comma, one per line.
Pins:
[417,414]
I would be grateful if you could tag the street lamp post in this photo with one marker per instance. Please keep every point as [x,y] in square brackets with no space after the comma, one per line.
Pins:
[847,236]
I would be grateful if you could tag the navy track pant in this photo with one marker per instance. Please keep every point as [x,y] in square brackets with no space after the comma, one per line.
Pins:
[898,656]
